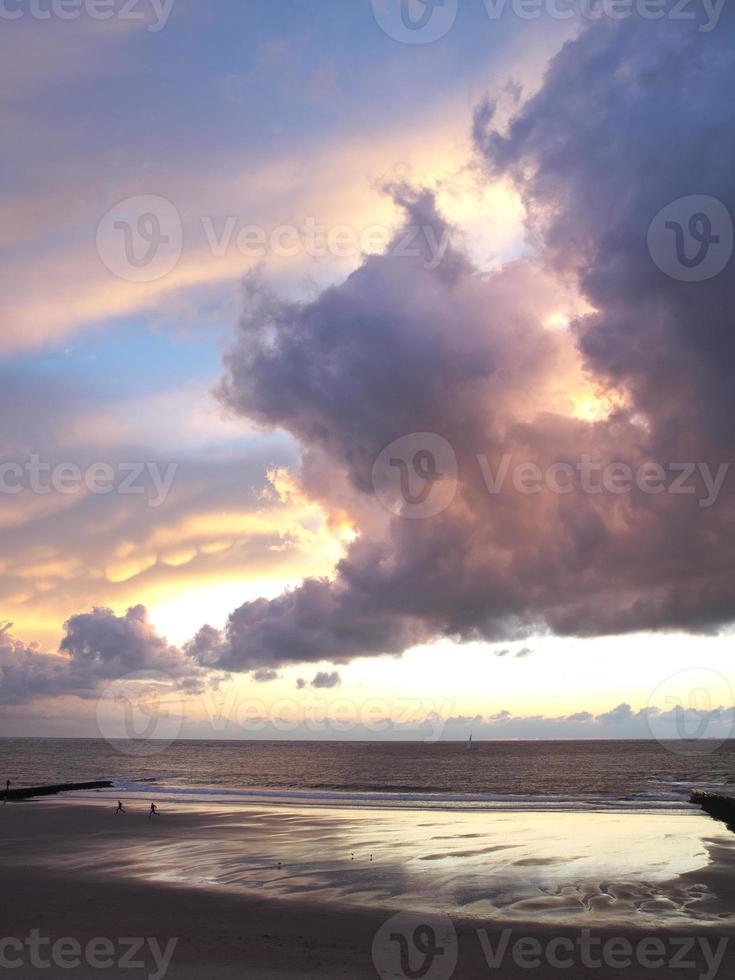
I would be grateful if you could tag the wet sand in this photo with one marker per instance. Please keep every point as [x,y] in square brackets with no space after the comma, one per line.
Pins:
[210,877]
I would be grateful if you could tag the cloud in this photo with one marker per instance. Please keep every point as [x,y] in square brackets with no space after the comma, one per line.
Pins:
[55,228]
[405,345]
[623,721]
[205,646]
[619,715]
[647,106]
[500,716]
[323,679]
[408,344]
[224,521]
[265,676]
[26,673]
[326,680]
[111,646]
[519,655]
[412,334]
[98,647]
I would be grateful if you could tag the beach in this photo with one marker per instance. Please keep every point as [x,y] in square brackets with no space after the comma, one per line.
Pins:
[282,892]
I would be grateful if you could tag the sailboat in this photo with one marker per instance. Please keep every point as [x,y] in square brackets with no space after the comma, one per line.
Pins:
[471,747]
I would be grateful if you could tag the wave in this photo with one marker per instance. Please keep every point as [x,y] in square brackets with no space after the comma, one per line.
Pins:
[384,798]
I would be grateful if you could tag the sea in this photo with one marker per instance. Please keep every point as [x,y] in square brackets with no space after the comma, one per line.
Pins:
[599,775]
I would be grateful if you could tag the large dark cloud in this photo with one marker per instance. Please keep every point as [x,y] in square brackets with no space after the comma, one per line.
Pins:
[98,647]
[630,116]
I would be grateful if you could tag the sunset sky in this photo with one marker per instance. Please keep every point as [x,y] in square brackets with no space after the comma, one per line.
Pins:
[367,241]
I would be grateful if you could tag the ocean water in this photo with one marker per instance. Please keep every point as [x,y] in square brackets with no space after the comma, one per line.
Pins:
[540,775]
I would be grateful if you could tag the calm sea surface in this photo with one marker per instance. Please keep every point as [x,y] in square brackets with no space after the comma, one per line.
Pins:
[633,774]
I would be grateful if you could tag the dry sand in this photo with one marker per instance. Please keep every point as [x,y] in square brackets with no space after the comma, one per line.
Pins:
[209,877]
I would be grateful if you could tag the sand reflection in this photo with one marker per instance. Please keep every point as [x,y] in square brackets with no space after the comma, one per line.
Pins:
[492,864]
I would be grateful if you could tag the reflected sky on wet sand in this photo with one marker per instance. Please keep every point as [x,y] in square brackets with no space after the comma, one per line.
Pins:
[579,867]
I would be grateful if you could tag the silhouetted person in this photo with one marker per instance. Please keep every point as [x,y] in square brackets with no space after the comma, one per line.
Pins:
[7,791]
[154,809]
[120,807]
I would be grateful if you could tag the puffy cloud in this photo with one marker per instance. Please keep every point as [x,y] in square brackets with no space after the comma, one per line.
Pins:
[103,645]
[327,679]
[206,645]
[619,715]
[500,716]
[402,346]
[410,345]
[27,673]
[323,679]
[418,341]
[314,622]
[628,120]
[98,647]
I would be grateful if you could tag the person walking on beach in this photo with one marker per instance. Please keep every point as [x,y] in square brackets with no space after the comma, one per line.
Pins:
[120,808]
[154,810]
[7,791]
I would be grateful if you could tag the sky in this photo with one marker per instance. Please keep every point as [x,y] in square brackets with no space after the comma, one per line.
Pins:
[366,369]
